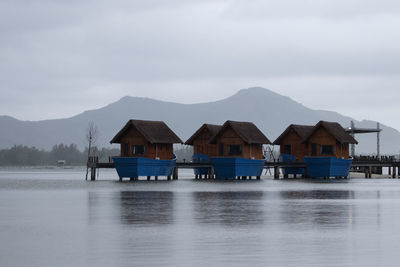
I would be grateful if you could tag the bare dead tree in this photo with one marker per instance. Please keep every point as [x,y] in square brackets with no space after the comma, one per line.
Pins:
[92,134]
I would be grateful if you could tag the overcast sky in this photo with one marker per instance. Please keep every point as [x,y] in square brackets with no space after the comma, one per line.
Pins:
[59,58]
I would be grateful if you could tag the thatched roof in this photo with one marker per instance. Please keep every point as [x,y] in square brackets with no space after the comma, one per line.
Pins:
[336,130]
[213,129]
[246,130]
[153,131]
[301,130]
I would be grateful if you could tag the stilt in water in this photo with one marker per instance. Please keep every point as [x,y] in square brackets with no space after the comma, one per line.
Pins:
[276,172]
[93,174]
[175,174]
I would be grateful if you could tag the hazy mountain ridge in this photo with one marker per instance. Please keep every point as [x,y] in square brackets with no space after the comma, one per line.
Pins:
[271,112]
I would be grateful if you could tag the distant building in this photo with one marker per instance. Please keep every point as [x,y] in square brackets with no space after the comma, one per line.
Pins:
[61,162]
[147,139]
[240,139]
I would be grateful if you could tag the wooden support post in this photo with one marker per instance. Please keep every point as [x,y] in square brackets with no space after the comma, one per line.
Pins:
[93,174]
[370,172]
[169,177]
[258,177]
[196,176]
[148,178]
[398,172]
[285,176]
[366,172]
[390,171]
[175,174]
[276,172]
[249,177]
[132,179]
[120,179]
[394,172]
[212,173]
[294,176]
[156,178]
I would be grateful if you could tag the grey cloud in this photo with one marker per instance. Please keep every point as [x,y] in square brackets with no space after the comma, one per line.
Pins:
[326,9]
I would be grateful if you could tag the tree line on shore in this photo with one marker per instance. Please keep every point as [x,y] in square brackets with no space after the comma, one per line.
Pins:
[20,155]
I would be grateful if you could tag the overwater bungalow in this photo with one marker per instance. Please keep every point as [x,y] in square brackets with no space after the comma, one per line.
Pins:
[202,149]
[324,148]
[291,141]
[240,151]
[292,148]
[328,149]
[146,149]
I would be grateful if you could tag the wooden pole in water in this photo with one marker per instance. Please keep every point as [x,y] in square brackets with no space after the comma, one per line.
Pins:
[276,172]
[93,174]
[394,172]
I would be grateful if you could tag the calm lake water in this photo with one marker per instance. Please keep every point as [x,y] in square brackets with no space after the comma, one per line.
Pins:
[55,218]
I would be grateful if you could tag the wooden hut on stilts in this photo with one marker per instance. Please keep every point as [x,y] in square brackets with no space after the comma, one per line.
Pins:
[146,149]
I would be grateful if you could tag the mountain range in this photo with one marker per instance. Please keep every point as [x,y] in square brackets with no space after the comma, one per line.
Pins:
[270,111]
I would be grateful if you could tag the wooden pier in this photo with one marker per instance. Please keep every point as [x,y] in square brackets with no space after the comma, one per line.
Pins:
[366,165]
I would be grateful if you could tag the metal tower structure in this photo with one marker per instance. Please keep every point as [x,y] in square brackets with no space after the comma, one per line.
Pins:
[378,140]
[352,130]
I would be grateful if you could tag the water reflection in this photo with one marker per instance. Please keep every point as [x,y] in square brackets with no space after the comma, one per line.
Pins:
[318,194]
[317,207]
[94,205]
[228,208]
[146,207]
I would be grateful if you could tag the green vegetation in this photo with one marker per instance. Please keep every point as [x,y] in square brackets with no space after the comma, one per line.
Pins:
[31,156]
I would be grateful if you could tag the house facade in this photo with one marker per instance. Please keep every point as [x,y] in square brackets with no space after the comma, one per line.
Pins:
[239,139]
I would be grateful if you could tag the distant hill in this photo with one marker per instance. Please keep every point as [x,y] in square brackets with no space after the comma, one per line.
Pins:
[271,112]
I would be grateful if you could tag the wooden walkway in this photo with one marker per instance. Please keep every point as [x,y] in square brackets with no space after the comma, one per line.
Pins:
[368,166]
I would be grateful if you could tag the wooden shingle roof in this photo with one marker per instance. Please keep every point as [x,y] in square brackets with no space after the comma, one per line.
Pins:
[212,128]
[301,130]
[246,130]
[336,130]
[153,131]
